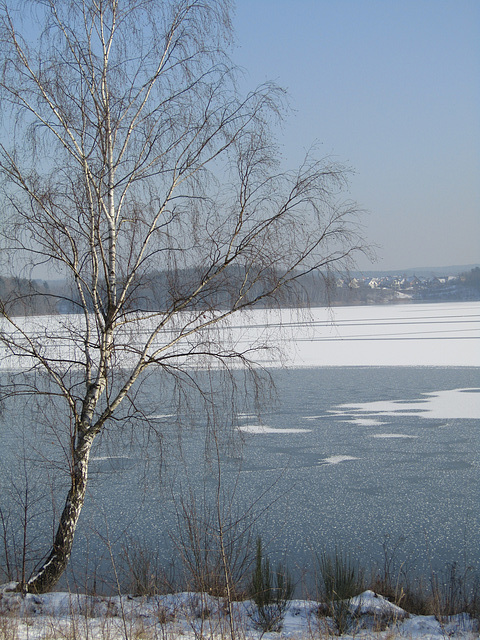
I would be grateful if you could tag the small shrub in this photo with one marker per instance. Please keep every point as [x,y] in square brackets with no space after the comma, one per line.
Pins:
[214,545]
[9,627]
[414,597]
[199,606]
[143,574]
[271,592]
[163,615]
[453,591]
[341,580]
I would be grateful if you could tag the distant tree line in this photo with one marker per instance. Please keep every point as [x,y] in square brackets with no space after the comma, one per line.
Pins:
[24,297]
[156,290]
[472,278]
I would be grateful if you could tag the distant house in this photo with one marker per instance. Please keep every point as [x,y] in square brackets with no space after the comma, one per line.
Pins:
[413,282]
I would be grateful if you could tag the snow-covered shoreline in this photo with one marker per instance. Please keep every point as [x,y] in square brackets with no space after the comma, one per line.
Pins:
[193,615]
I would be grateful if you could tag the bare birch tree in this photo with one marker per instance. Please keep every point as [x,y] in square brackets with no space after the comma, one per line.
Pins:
[127,150]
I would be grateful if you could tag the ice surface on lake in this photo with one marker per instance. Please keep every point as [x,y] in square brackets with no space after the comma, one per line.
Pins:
[422,385]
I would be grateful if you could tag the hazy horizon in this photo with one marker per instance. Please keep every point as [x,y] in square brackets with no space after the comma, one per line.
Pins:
[453,269]
[445,269]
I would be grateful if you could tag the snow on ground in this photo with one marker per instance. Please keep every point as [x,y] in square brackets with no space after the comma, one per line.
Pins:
[191,616]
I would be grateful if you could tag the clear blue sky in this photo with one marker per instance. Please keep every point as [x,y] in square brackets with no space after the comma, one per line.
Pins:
[391,88]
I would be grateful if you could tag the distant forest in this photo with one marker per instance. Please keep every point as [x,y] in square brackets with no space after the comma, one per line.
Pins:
[157,291]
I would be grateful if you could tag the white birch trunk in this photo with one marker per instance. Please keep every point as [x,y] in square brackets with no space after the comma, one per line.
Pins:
[54,566]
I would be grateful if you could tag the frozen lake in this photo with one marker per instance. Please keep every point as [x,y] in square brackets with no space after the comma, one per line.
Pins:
[348,456]
[351,450]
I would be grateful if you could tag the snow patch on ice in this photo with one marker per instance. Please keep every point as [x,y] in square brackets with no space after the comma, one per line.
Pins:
[366,422]
[337,459]
[450,404]
[262,429]
[392,435]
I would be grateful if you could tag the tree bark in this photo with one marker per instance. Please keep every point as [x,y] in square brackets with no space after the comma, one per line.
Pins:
[52,569]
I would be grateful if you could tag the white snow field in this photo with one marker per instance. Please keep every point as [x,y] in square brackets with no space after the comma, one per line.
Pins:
[438,334]
[435,334]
